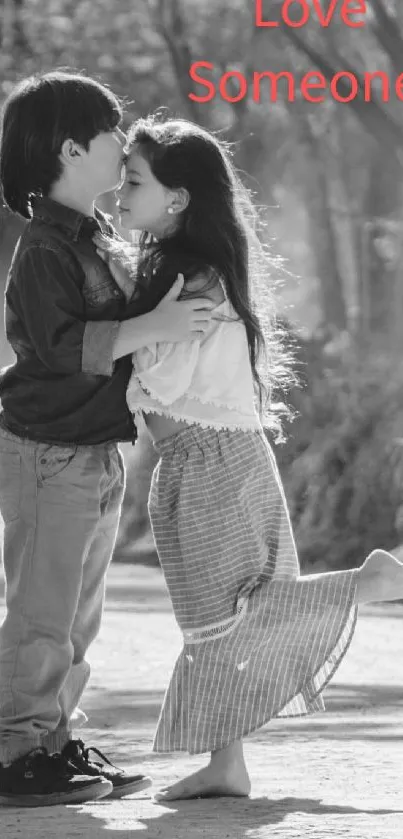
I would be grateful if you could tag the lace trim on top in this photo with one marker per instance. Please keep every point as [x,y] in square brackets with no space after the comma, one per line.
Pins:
[148,392]
[191,409]
[211,631]
[217,425]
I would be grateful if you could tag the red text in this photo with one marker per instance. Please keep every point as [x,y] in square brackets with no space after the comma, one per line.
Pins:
[343,87]
[297,13]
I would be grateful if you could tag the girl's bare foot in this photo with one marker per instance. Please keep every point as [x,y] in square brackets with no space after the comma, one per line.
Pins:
[226,775]
[207,783]
[380,578]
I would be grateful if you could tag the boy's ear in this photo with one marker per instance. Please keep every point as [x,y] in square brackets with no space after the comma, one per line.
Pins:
[180,200]
[70,152]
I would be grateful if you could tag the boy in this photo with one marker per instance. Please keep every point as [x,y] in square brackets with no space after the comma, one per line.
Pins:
[63,411]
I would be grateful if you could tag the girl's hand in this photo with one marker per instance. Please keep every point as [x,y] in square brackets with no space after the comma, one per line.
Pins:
[120,274]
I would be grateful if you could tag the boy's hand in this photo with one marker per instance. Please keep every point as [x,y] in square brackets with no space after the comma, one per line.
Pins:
[174,320]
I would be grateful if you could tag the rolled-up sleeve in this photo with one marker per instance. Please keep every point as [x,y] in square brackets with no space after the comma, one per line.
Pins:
[53,309]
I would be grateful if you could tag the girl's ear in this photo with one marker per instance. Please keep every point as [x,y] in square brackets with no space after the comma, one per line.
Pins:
[70,152]
[179,200]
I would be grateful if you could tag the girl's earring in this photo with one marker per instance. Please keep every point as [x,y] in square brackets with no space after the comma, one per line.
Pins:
[170,210]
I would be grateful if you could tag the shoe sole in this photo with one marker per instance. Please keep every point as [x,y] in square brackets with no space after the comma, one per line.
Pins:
[130,788]
[93,793]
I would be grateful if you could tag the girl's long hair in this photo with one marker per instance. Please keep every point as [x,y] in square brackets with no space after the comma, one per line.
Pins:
[217,236]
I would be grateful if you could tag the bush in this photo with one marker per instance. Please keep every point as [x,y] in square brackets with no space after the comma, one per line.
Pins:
[343,463]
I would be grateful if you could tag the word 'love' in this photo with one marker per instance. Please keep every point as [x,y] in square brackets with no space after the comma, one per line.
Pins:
[297,13]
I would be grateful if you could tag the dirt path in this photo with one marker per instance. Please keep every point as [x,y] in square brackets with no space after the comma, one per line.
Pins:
[336,775]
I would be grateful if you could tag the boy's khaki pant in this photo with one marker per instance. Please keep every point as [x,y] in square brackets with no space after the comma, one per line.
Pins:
[61,507]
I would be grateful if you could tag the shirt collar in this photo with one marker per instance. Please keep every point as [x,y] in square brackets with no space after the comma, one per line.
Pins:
[74,223]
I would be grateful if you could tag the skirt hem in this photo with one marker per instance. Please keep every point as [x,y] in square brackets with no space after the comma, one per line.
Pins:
[308,700]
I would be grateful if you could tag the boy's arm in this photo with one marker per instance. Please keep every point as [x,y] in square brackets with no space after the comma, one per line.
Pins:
[54,315]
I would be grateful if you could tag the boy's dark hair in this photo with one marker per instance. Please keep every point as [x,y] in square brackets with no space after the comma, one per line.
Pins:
[39,115]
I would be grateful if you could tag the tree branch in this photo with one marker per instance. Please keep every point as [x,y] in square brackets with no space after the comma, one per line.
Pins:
[170,23]
[388,34]
[371,114]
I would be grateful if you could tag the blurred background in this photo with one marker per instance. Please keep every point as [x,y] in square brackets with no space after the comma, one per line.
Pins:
[328,177]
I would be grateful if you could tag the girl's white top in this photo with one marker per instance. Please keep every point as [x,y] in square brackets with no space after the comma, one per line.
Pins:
[207,381]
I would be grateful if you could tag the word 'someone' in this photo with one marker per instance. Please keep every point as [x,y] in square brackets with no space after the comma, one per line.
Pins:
[343,86]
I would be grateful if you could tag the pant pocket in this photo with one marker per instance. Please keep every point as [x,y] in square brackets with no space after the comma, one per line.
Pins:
[52,460]
[10,485]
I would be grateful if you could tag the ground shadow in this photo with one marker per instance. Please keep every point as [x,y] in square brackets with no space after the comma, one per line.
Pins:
[340,696]
[214,818]
[232,817]
[123,707]
[121,598]
[136,607]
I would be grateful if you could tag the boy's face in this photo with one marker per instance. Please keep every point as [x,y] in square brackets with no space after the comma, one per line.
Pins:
[101,165]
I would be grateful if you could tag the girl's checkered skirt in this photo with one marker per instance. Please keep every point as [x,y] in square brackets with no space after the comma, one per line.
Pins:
[259,640]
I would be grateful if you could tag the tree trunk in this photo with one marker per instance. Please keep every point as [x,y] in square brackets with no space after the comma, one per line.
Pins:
[323,233]
[384,273]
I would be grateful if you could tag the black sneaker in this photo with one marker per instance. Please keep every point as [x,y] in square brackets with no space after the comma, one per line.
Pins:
[38,780]
[124,783]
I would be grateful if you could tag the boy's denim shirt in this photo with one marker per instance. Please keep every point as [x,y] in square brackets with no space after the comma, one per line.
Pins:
[62,312]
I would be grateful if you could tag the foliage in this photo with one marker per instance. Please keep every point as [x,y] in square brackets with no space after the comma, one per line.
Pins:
[343,463]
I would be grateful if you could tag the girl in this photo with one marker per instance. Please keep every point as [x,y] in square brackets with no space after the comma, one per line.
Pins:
[260,641]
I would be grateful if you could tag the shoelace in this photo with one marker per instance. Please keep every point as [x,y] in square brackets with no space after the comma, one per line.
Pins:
[85,754]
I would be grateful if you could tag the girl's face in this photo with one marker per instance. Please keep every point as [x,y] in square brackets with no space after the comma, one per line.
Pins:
[143,202]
